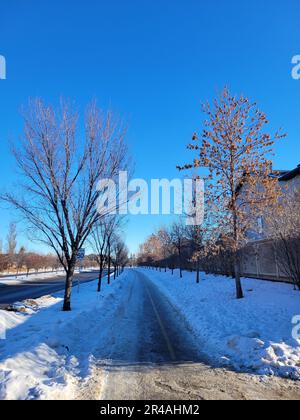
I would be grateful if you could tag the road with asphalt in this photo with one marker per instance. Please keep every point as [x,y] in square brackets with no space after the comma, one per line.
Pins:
[20,290]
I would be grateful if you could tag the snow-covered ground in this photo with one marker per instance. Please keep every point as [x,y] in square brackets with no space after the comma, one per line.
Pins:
[47,352]
[254,333]
[50,354]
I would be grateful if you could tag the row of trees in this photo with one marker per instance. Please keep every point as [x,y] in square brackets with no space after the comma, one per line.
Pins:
[28,262]
[177,246]
[109,249]
[105,241]
[23,260]
[241,190]
[61,163]
[199,248]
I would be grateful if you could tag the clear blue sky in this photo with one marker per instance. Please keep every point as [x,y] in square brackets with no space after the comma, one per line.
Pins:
[154,62]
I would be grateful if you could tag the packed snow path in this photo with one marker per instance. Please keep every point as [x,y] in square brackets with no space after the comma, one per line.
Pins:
[163,359]
[157,332]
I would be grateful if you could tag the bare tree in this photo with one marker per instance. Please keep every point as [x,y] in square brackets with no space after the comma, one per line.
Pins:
[195,236]
[165,245]
[150,251]
[120,255]
[177,235]
[33,261]
[20,259]
[53,262]
[4,262]
[12,239]
[99,244]
[111,239]
[123,257]
[61,171]
[100,240]
[235,147]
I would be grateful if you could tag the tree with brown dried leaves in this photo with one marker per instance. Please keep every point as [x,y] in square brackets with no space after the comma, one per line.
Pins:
[236,149]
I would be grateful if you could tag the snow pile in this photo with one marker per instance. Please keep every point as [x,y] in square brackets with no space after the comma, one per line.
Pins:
[47,353]
[253,334]
[28,306]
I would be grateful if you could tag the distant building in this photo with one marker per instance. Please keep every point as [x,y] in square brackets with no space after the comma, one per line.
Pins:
[259,255]
[291,177]
[290,182]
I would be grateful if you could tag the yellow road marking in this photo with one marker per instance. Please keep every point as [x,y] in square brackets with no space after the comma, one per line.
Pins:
[163,330]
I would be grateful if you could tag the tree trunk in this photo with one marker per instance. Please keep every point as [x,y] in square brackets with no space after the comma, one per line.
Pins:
[198,271]
[68,287]
[108,268]
[100,277]
[237,262]
[237,267]
[180,263]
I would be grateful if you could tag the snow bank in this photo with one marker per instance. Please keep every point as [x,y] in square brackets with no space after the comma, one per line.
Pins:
[47,352]
[253,334]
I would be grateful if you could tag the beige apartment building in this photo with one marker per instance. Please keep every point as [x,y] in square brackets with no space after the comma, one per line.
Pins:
[259,257]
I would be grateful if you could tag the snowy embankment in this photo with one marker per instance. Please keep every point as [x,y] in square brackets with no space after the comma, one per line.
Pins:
[47,353]
[252,334]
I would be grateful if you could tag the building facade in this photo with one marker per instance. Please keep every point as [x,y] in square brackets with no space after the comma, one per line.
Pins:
[259,257]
